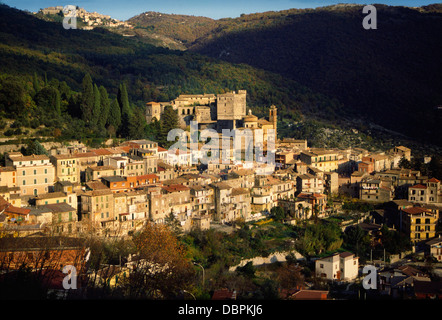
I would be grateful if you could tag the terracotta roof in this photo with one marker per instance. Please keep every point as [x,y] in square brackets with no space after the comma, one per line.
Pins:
[102,152]
[237,191]
[175,187]
[310,195]
[59,207]
[51,195]
[96,185]
[415,210]
[6,207]
[86,154]
[309,295]
[433,180]
[419,186]
[224,294]
[30,158]
[98,192]
[346,254]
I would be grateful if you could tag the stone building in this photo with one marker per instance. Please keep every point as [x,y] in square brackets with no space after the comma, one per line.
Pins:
[222,111]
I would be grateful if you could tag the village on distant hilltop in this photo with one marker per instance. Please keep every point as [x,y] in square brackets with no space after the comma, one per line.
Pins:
[90,19]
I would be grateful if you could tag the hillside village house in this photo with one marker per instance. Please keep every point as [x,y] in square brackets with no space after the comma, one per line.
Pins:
[322,159]
[434,248]
[297,208]
[376,189]
[35,173]
[95,173]
[317,201]
[339,266]
[57,197]
[427,193]
[203,200]
[379,162]
[309,183]
[67,167]
[97,209]
[131,209]
[64,218]
[402,152]
[8,176]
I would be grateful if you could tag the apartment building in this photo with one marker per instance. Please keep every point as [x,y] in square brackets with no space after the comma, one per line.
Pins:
[418,223]
[203,199]
[240,205]
[322,159]
[57,197]
[426,193]
[131,209]
[376,189]
[67,167]
[64,218]
[35,173]
[8,176]
[97,208]
[309,183]
[95,173]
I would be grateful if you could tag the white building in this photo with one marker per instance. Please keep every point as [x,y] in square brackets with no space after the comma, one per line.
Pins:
[339,266]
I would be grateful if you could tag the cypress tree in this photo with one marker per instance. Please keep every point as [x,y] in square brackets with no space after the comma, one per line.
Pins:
[87,98]
[123,99]
[126,116]
[105,107]
[96,107]
[114,119]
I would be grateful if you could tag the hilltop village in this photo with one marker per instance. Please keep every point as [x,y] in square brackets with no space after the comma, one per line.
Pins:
[112,192]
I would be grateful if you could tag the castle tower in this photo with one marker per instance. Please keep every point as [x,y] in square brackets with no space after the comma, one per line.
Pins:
[273,118]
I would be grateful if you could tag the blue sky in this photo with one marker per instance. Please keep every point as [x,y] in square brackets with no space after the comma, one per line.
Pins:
[215,9]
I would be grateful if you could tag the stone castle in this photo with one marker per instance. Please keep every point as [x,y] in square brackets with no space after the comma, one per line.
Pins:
[222,111]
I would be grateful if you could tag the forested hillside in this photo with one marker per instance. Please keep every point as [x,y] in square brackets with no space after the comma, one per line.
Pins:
[44,68]
[390,76]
